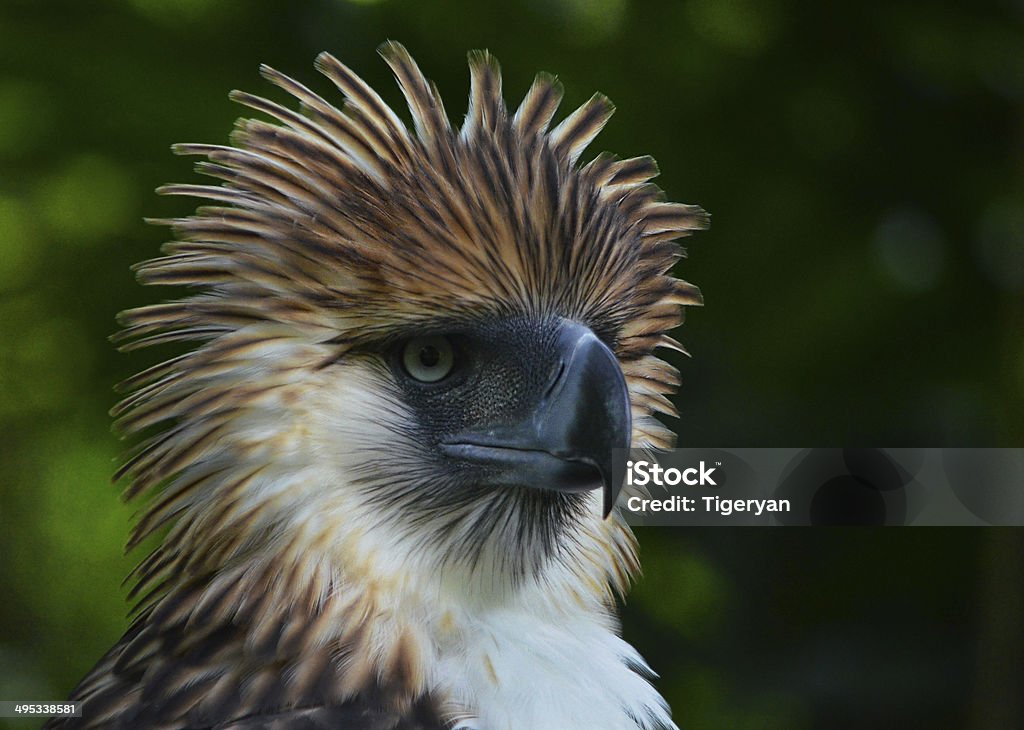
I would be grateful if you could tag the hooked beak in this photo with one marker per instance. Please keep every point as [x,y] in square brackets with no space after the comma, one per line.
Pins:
[567,442]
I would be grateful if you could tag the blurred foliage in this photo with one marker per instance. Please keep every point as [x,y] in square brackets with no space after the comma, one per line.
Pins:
[864,279]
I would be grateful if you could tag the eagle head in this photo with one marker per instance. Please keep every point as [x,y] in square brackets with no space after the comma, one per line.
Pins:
[416,349]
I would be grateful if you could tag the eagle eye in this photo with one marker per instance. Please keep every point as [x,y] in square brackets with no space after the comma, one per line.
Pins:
[428,359]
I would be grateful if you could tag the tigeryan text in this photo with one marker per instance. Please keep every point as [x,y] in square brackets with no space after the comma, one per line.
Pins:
[719,505]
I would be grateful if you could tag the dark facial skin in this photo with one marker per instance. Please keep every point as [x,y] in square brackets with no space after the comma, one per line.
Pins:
[519,402]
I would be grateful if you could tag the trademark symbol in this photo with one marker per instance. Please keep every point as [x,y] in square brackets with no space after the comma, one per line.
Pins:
[718,463]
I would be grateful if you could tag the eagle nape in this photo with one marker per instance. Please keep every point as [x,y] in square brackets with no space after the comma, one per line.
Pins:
[381,474]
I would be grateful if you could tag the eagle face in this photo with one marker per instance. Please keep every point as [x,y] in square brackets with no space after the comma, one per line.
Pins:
[500,427]
[385,466]
[517,403]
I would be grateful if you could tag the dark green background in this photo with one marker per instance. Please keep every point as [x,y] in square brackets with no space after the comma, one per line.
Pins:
[864,278]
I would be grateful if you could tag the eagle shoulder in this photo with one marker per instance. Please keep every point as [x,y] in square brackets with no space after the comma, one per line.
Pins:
[221,654]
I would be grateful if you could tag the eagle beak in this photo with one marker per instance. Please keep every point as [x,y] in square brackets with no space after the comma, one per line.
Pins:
[567,442]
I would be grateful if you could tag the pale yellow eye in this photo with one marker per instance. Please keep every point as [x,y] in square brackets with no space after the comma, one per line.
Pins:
[428,359]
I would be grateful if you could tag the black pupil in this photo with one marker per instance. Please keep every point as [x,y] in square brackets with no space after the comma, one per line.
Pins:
[429,356]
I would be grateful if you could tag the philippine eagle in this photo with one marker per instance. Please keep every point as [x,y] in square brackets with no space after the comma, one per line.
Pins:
[385,466]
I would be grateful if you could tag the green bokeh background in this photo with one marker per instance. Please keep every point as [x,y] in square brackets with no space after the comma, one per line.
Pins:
[864,279]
